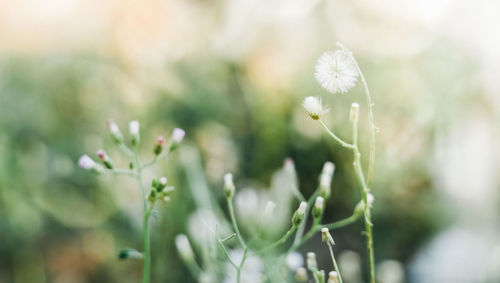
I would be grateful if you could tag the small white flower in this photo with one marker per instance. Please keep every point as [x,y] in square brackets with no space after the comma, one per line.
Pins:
[178,135]
[333,277]
[133,127]
[336,72]
[86,162]
[314,107]
[163,181]
[184,248]
[311,260]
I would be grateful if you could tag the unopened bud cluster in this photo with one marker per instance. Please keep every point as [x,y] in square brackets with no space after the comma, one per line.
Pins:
[159,190]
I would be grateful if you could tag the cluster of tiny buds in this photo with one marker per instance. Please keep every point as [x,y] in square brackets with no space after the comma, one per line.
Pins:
[298,216]
[326,237]
[160,190]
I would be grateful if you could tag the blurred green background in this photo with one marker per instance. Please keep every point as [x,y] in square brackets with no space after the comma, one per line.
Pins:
[233,75]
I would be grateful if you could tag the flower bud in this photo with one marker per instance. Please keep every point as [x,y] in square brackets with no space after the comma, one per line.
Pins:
[325,179]
[88,163]
[105,159]
[184,248]
[301,275]
[298,216]
[354,113]
[333,277]
[159,145]
[229,185]
[129,253]
[360,207]
[162,183]
[133,127]
[177,137]
[326,237]
[311,261]
[319,206]
[131,165]
[115,132]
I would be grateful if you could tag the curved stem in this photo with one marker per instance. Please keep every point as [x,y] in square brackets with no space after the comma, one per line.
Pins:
[334,225]
[339,140]
[235,224]
[370,104]
[280,241]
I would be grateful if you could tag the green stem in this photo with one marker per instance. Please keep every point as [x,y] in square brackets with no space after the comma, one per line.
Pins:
[335,266]
[339,140]
[278,242]
[302,226]
[240,267]
[364,192]
[235,224]
[145,224]
[334,225]
[371,162]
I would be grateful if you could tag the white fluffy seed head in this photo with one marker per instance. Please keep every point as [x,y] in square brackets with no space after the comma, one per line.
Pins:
[133,127]
[314,107]
[86,162]
[178,135]
[336,72]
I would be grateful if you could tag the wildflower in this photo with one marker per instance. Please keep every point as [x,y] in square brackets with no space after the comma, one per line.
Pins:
[333,277]
[354,113]
[105,159]
[184,248]
[177,137]
[326,237]
[133,127]
[336,72]
[159,145]
[314,107]
[116,134]
[319,206]
[325,180]
[229,185]
[88,163]
[298,216]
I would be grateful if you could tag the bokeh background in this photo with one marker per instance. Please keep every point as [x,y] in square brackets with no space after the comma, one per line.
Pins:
[233,73]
